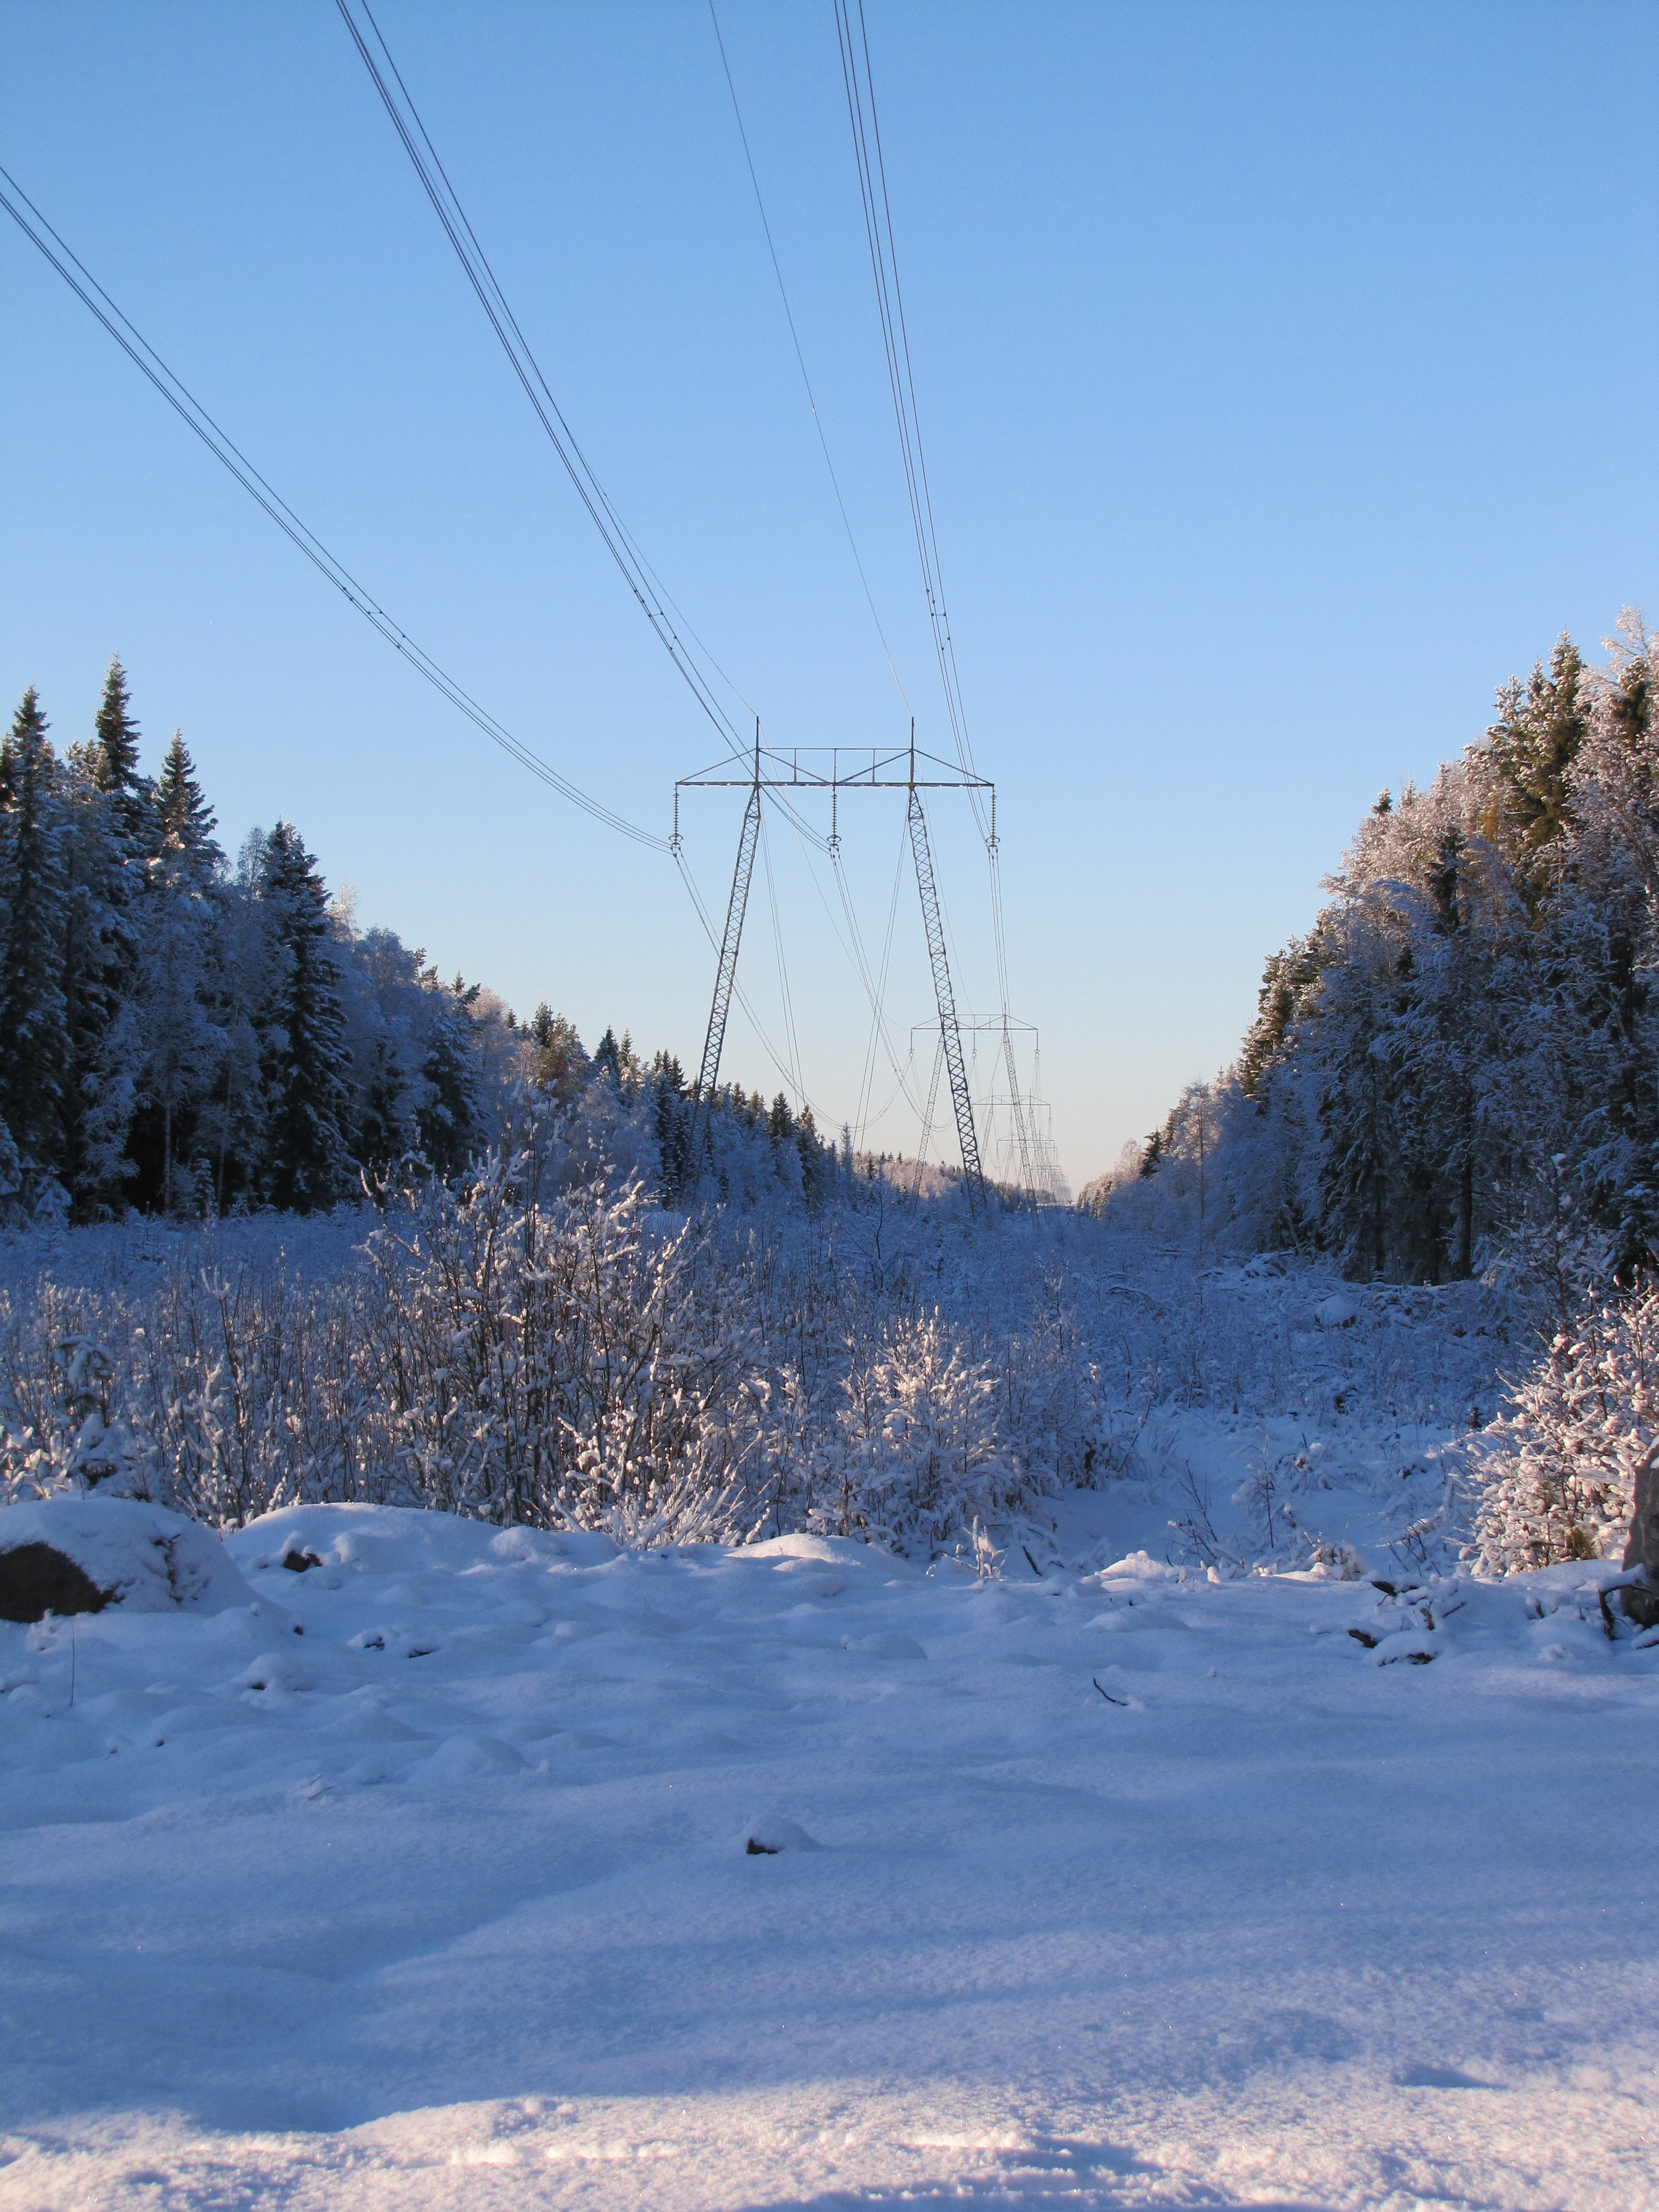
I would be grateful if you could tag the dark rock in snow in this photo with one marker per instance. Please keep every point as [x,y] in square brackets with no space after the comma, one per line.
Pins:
[111,1550]
[765,1838]
[296,1562]
[35,1580]
[1642,1606]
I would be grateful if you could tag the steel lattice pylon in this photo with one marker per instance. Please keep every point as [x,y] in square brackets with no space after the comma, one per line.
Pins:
[950,1033]
[886,770]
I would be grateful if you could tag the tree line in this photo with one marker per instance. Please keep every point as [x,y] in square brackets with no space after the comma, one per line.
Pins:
[183,1032]
[1459,1060]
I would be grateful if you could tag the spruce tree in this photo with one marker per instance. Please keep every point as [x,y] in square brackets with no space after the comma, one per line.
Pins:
[115,759]
[180,1045]
[174,1023]
[33,1045]
[607,1057]
[448,1118]
[303,1061]
[106,848]
[104,887]
[184,822]
[381,1107]
[1532,747]
[672,1122]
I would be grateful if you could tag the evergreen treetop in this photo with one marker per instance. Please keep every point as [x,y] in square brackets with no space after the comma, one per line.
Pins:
[115,756]
[184,818]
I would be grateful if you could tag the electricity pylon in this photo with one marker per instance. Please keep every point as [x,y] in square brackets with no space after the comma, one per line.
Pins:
[805,774]
[1027,1153]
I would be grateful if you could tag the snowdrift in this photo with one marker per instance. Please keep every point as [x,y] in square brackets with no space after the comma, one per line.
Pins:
[537,1873]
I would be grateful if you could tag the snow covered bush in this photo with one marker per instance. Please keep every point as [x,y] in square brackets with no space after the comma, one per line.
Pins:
[57,1430]
[550,1361]
[1559,1471]
[915,1459]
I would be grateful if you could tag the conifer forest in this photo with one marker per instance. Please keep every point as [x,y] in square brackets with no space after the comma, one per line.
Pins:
[580,1634]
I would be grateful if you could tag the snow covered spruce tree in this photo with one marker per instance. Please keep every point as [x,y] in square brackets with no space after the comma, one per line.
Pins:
[34,1053]
[108,839]
[303,1063]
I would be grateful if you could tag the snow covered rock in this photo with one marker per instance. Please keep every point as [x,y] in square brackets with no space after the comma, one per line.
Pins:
[765,1839]
[69,1554]
[1336,1312]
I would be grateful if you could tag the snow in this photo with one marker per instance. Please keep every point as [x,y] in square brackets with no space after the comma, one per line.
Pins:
[141,1556]
[1102,1881]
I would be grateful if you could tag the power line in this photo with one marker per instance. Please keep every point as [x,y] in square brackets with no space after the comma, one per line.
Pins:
[657,603]
[63,259]
[35,228]
[889,300]
[618,540]
[794,335]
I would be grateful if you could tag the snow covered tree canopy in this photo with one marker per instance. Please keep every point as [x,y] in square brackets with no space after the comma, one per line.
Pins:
[1456,1065]
[184,1034]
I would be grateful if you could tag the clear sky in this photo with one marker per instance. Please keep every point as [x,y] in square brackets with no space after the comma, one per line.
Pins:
[1287,378]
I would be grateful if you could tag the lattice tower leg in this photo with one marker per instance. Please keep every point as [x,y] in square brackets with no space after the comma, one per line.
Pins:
[949,1032]
[725,976]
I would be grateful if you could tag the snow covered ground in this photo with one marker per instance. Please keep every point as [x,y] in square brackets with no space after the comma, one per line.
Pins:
[1107,1884]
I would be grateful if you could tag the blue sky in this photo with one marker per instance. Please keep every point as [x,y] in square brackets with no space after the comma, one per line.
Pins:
[1287,378]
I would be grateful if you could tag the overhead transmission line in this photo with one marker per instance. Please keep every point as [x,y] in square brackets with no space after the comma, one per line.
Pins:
[55,250]
[874,988]
[889,300]
[636,571]
[92,296]
[800,360]
[666,618]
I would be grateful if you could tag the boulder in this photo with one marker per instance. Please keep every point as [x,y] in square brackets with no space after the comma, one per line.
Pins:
[78,1554]
[36,1580]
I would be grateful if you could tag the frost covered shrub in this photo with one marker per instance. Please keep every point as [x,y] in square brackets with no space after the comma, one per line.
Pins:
[529,1349]
[1050,1403]
[252,1384]
[60,1434]
[913,1457]
[227,1387]
[557,1347]
[552,1362]
[1559,1472]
